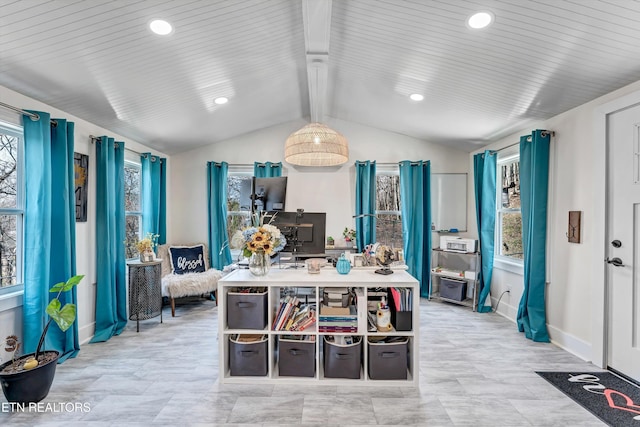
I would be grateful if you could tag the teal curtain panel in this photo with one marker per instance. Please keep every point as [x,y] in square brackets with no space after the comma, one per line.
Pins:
[219,252]
[49,224]
[267,169]
[154,196]
[415,193]
[534,182]
[111,288]
[365,203]
[484,176]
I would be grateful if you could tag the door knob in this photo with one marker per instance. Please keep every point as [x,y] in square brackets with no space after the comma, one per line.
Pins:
[617,262]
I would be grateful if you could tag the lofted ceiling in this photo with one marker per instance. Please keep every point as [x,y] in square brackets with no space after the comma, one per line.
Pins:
[283,60]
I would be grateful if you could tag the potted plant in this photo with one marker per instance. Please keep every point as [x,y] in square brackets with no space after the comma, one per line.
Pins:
[349,234]
[28,378]
[330,241]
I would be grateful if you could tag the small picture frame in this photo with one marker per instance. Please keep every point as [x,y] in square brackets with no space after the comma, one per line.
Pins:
[358,260]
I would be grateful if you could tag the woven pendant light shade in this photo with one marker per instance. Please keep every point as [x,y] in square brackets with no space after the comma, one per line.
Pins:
[316,145]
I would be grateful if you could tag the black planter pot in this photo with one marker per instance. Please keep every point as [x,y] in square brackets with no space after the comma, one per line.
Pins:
[29,386]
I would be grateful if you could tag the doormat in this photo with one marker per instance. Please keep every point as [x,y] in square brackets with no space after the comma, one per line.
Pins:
[607,396]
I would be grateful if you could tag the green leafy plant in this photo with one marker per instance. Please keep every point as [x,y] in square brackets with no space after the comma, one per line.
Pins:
[349,234]
[64,316]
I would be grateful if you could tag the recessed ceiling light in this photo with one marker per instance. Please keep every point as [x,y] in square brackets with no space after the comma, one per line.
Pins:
[480,20]
[221,100]
[416,97]
[160,27]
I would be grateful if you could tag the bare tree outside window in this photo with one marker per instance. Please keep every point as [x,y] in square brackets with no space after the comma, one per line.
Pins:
[10,211]
[509,219]
[237,218]
[388,219]
[132,208]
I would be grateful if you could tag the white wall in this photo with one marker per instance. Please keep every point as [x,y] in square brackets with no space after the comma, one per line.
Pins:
[569,291]
[330,190]
[11,319]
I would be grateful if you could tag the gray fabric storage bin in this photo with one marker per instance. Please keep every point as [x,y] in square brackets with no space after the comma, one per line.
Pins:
[248,358]
[388,360]
[453,289]
[296,358]
[342,361]
[246,311]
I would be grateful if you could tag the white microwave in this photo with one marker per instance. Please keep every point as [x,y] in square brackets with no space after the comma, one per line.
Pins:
[458,244]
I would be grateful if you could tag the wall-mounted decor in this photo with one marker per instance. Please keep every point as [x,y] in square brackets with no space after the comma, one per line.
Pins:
[81,169]
[573,233]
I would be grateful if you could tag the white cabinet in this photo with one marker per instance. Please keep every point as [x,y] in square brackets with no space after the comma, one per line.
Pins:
[454,277]
[380,355]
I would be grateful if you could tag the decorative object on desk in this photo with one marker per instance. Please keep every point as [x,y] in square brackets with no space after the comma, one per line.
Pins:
[147,246]
[384,256]
[349,234]
[330,241]
[315,264]
[28,378]
[259,242]
[383,320]
[358,260]
[343,266]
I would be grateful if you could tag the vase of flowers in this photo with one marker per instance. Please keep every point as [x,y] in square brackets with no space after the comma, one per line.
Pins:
[146,247]
[259,242]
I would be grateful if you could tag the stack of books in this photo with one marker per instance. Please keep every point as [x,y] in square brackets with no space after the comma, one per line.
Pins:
[293,316]
[338,319]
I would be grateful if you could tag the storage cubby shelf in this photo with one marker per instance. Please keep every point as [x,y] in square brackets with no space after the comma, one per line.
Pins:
[311,286]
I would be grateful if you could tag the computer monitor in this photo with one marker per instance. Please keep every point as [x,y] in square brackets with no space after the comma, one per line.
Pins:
[305,231]
[264,194]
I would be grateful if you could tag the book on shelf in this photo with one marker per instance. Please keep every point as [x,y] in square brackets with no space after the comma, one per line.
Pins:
[288,307]
[338,330]
[326,310]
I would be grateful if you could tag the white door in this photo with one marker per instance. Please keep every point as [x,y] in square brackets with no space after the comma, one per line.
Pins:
[623,245]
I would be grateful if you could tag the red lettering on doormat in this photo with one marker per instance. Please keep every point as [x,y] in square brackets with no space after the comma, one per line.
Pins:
[631,407]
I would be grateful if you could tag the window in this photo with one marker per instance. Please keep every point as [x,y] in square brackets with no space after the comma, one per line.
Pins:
[132,207]
[388,223]
[11,207]
[238,216]
[509,215]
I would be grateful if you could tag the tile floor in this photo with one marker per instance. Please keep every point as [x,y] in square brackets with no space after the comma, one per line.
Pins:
[475,370]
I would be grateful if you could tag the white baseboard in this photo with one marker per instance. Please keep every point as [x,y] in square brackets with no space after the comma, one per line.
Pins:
[86,333]
[565,341]
[570,343]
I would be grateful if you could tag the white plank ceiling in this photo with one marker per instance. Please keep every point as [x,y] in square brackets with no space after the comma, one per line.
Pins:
[282,60]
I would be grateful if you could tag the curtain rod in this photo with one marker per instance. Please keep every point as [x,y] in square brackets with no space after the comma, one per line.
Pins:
[544,133]
[96,138]
[33,116]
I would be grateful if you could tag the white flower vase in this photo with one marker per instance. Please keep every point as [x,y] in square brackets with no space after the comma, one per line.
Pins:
[259,264]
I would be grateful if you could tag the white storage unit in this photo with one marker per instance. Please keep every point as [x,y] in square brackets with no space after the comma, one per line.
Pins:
[452,272]
[310,288]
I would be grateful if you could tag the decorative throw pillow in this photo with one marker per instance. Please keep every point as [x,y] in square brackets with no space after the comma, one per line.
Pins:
[187,259]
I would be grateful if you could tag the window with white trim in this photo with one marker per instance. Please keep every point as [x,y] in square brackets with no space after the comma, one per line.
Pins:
[132,207]
[508,214]
[388,218]
[11,207]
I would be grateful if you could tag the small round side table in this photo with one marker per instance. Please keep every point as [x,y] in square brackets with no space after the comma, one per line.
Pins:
[145,290]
